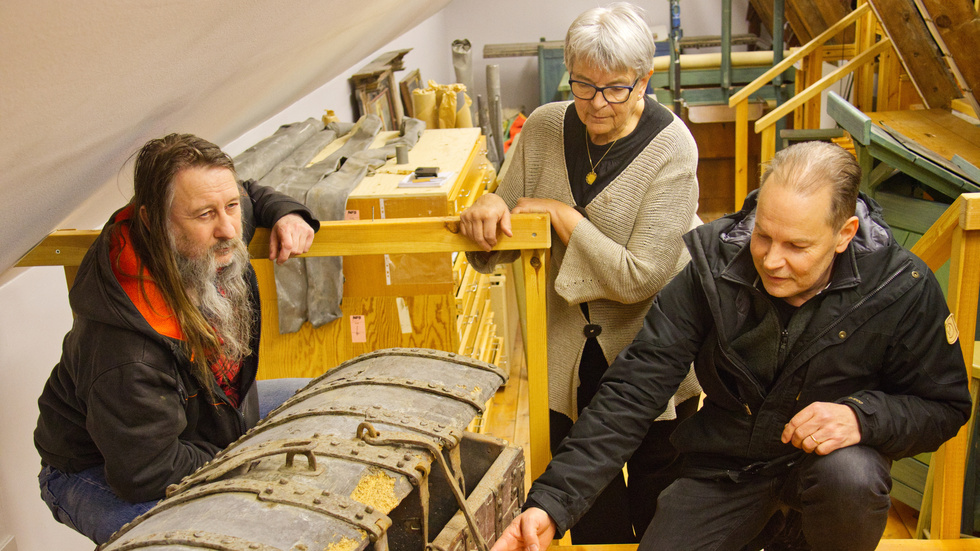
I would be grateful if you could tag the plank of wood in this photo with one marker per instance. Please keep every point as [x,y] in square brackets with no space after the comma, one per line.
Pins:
[60,248]
[889,76]
[410,235]
[918,51]
[530,49]
[929,545]
[958,27]
[866,33]
[809,18]
[534,263]
[937,130]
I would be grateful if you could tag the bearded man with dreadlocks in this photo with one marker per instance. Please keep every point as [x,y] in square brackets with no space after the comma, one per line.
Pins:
[158,371]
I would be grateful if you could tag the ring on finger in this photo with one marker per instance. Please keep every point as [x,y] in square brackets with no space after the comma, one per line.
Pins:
[815,441]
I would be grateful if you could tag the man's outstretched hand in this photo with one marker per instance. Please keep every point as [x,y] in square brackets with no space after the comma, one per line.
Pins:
[290,236]
[532,530]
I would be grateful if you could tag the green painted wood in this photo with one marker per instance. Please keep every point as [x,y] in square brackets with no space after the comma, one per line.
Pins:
[909,480]
[706,96]
[887,149]
[849,118]
[551,70]
[711,77]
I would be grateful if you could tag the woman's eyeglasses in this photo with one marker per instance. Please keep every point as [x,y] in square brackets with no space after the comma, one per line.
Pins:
[612,94]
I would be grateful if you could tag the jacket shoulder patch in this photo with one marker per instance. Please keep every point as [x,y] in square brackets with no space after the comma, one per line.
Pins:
[952,332]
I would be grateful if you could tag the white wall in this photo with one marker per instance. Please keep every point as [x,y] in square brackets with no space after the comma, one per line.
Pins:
[430,54]
[35,314]
[516,21]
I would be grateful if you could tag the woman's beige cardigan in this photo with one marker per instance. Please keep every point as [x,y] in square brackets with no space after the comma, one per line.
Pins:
[616,260]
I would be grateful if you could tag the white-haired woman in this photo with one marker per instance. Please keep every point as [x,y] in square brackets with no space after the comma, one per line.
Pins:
[616,172]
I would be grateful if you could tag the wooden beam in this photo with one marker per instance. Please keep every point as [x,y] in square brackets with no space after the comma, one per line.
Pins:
[958,29]
[866,35]
[934,246]
[820,85]
[929,545]
[795,55]
[811,112]
[342,238]
[409,235]
[949,462]
[534,263]
[530,49]
[741,152]
[920,54]
[60,248]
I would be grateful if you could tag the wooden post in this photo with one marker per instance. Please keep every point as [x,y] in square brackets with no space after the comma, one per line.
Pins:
[534,263]
[768,144]
[741,152]
[864,78]
[888,77]
[814,74]
[964,291]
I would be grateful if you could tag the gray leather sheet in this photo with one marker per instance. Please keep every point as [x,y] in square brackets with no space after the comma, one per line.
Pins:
[256,161]
[312,288]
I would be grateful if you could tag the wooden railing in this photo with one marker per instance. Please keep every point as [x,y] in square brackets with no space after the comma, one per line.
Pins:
[812,52]
[532,236]
[955,237]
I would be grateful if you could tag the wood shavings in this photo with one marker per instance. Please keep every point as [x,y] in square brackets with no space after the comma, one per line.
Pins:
[377,490]
[345,544]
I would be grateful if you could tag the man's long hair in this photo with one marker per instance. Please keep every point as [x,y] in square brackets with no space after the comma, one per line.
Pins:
[157,165]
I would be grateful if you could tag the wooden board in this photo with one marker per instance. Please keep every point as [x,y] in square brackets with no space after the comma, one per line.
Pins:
[716,166]
[937,130]
[958,27]
[807,18]
[918,51]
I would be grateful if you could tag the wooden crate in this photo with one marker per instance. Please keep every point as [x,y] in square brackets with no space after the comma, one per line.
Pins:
[400,300]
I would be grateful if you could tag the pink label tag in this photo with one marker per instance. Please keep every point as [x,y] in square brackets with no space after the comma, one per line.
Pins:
[352,215]
[358,331]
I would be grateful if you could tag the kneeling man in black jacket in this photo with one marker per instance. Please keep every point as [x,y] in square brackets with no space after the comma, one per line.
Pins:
[825,351]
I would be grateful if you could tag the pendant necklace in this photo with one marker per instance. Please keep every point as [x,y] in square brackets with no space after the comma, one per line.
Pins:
[591,176]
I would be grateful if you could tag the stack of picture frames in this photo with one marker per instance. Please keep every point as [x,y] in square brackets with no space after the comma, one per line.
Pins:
[376,91]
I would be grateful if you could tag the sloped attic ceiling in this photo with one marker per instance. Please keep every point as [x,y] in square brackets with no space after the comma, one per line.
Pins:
[84,83]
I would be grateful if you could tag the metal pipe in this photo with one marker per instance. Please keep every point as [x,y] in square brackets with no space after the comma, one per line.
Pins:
[496,111]
[726,47]
[675,54]
[778,19]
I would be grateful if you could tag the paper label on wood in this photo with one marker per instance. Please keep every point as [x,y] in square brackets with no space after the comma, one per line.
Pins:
[404,316]
[352,215]
[358,331]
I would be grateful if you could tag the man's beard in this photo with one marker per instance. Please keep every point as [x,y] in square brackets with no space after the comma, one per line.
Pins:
[222,295]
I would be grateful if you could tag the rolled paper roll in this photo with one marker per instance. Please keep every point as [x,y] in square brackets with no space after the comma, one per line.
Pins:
[424,103]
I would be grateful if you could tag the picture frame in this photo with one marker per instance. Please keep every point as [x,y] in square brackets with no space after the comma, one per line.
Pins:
[411,82]
[379,103]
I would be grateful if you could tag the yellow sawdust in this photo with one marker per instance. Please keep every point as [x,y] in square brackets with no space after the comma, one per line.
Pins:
[377,490]
[345,544]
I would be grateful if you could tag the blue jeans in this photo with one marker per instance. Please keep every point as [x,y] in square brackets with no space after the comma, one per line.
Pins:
[273,392]
[842,497]
[84,502]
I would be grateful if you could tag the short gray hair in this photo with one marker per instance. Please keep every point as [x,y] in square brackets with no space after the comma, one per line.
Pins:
[614,38]
[807,167]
